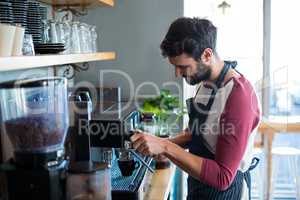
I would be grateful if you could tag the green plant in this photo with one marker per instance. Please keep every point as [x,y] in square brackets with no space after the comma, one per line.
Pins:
[163,106]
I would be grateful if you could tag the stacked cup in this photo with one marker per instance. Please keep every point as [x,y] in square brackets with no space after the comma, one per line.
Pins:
[11,40]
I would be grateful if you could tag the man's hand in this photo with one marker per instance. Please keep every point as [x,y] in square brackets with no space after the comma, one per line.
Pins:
[148,145]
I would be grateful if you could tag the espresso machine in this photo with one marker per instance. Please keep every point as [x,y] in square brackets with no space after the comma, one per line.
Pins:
[34,115]
[131,172]
[108,130]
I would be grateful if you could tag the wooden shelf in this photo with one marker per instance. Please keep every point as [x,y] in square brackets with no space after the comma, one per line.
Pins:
[61,3]
[29,62]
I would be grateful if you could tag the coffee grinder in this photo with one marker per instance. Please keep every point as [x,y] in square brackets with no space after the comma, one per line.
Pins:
[34,115]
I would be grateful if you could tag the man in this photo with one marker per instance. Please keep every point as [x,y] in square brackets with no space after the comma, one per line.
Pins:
[223,116]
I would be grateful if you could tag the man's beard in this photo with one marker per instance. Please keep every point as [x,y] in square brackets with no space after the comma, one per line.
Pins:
[199,76]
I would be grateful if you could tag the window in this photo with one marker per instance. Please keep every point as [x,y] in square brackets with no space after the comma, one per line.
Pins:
[240,34]
[240,31]
[284,90]
[284,64]
[240,37]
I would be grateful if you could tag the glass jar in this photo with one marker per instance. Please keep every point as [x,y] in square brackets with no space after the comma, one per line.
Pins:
[83,38]
[60,32]
[53,32]
[75,39]
[45,31]
[89,182]
[163,129]
[67,37]
[94,37]
[28,48]
[149,123]
[89,38]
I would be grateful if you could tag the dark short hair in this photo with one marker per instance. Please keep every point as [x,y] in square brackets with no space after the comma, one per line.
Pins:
[189,35]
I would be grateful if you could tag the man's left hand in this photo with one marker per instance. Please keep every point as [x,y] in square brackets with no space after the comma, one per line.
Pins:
[148,145]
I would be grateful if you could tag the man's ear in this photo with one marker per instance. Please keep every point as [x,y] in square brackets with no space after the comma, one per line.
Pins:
[206,56]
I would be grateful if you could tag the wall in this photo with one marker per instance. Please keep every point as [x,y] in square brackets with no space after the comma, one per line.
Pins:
[134,29]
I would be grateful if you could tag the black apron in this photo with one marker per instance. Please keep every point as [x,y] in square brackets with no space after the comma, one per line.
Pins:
[197,116]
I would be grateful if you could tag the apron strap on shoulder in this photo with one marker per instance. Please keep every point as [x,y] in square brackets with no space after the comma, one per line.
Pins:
[254,163]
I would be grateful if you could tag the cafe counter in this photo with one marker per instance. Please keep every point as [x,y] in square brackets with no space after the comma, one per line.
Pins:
[161,184]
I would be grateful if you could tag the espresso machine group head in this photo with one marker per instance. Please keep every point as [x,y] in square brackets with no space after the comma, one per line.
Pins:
[107,129]
[114,127]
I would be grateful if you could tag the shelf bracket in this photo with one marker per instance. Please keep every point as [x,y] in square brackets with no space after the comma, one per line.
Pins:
[76,9]
[72,68]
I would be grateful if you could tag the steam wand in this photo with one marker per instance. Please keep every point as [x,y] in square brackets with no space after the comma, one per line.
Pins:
[142,160]
[128,147]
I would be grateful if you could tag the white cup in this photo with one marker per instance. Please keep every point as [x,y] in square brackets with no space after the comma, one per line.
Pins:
[7,33]
[18,41]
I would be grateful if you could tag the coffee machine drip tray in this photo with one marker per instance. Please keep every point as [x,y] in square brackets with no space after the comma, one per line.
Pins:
[132,187]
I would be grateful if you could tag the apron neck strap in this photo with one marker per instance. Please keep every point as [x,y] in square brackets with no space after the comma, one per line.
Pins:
[227,65]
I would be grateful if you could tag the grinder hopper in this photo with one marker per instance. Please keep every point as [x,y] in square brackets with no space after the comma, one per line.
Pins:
[35,114]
